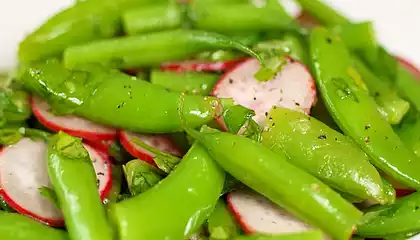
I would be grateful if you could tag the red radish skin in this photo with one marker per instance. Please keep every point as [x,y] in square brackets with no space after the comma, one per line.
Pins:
[25,164]
[29,178]
[200,66]
[73,125]
[256,214]
[292,88]
[161,142]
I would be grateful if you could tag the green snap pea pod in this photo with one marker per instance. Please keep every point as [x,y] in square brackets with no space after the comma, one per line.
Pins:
[117,175]
[408,86]
[74,181]
[195,83]
[153,18]
[356,112]
[141,176]
[221,224]
[78,24]
[150,49]
[177,206]
[410,135]
[10,136]
[284,184]
[322,12]
[18,227]
[399,218]
[309,235]
[401,236]
[114,99]
[240,17]
[324,153]
[219,55]
[357,36]
[391,106]
[289,44]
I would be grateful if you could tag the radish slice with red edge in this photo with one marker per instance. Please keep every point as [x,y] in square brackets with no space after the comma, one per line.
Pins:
[293,87]
[199,66]
[160,142]
[256,214]
[72,125]
[23,171]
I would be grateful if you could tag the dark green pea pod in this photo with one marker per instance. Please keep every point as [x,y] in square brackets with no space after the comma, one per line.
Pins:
[402,217]
[382,62]
[74,180]
[288,44]
[177,206]
[114,99]
[18,227]
[141,176]
[117,177]
[356,112]
[284,184]
[14,103]
[221,224]
[309,235]
[152,18]
[391,106]
[195,83]
[150,49]
[408,86]
[323,152]
[357,36]
[4,206]
[410,135]
[240,17]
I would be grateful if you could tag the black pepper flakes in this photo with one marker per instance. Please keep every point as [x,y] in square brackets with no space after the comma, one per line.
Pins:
[266,114]
[367,139]
[255,98]
[322,137]
[101,174]
[270,118]
[230,80]
[329,40]
[336,139]
[367,127]
[297,104]
[386,138]
[376,94]
[273,124]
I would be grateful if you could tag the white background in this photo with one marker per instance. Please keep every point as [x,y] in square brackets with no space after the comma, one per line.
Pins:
[396,21]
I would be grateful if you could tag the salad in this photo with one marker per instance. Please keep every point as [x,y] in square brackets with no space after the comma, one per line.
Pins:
[208,119]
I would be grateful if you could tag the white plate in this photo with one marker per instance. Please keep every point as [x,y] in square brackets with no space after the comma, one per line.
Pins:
[395,22]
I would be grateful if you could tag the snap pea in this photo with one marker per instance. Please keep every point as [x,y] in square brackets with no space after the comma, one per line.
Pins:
[195,83]
[221,224]
[356,112]
[284,184]
[240,17]
[141,176]
[114,99]
[323,13]
[74,181]
[14,103]
[357,36]
[324,153]
[150,49]
[391,106]
[117,175]
[18,227]
[408,86]
[400,218]
[309,235]
[410,135]
[177,206]
[153,18]
[10,136]
[401,236]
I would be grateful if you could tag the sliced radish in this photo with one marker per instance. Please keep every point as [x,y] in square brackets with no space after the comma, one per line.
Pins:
[73,125]
[23,170]
[256,214]
[200,66]
[292,88]
[160,142]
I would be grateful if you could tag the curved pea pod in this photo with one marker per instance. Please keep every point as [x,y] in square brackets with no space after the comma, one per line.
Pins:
[18,227]
[407,83]
[399,218]
[240,17]
[114,99]
[150,49]
[74,180]
[310,235]
[357,36]
[152,18]
[284,184]
[141,176]
[188,82]
[391,106]
[221,224]
[324,153]
[177,206]
[356,112]
[14,106]
[83,22]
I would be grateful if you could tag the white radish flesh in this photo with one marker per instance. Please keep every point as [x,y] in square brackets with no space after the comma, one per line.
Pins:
[103,169]
[293,88]
[73,125]
[160,142]
[256,214]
